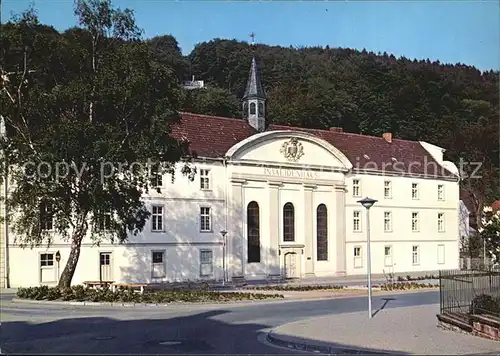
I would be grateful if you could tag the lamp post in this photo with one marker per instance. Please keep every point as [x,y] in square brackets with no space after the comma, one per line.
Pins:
[368,203]
[223,233]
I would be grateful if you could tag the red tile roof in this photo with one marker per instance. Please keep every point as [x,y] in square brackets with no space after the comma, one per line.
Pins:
[212,136]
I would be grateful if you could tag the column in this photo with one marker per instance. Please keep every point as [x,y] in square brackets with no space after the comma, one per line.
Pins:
[235,235]
[308,216]
[340,232]
[273,258]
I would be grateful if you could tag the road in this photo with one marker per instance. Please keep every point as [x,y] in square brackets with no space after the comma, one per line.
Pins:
[228,329]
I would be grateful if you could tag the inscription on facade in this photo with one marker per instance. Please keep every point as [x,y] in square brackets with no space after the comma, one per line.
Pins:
[291,173]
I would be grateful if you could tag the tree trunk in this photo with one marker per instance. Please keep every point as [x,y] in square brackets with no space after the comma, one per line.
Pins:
[74,255]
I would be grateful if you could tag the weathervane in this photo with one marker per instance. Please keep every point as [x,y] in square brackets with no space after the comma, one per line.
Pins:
[252,36]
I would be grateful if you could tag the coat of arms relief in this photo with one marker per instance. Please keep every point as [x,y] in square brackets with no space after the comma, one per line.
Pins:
[292,150]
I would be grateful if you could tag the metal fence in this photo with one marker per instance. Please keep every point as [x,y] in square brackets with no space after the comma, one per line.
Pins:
[459,288]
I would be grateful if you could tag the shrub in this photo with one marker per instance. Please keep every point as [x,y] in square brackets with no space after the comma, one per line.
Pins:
[484,304]
[80,293]
[288,287]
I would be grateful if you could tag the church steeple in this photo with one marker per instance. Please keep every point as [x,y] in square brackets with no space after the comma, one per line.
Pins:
[254,99]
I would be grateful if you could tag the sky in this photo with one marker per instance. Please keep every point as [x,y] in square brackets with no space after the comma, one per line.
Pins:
[449,31]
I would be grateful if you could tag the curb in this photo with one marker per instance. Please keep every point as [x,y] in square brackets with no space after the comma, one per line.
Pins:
[317,348]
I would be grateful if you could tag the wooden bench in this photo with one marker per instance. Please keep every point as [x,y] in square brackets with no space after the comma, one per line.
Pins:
[141,287]
[98,284]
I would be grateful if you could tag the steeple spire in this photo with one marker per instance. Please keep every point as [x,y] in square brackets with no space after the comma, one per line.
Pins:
[254,86]
[254,99]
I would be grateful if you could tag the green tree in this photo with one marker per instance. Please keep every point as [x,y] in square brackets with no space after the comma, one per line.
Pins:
[95,111]
[490,233]
[211,101]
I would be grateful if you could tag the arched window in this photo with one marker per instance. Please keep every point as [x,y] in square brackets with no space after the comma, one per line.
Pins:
[252,108]
[321,233]
[245,109]
[288,223]
[261,109]
[253,232]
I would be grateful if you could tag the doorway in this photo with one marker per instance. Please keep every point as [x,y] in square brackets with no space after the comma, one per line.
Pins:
[291,265]
[106,270]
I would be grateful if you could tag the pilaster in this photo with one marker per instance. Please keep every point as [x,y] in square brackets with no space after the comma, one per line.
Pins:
[273,258]
[340,233]
[235,238]
[308,214]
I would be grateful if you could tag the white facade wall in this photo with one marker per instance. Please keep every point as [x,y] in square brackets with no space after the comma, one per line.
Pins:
[253,174]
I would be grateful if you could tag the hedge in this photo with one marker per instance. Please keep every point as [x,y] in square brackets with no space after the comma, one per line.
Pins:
[81,294]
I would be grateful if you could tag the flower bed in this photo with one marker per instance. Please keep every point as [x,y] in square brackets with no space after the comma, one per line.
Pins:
[125,295]
[406,286]
[296,288]
[417,278]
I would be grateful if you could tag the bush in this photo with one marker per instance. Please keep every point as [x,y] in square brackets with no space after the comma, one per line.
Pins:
[406,286]
[126,295]
[485,304]
[288,287]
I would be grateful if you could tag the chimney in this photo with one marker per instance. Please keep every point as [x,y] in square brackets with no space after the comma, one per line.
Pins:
[336,129]
[387,136]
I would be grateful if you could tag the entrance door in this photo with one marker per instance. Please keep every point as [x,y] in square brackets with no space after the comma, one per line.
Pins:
[291,265]
[105,266]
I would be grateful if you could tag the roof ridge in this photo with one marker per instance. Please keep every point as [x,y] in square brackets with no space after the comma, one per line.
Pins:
[210,116]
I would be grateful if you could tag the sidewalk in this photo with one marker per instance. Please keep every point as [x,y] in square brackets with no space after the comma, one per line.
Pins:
[410,330]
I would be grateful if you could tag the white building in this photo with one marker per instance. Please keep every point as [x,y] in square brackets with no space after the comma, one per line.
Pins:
[287,198]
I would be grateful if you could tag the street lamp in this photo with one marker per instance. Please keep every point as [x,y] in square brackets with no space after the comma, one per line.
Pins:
[223,233]
[368,203]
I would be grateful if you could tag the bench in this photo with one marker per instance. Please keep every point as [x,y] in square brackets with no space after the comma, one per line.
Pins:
[141,287]
[98,284]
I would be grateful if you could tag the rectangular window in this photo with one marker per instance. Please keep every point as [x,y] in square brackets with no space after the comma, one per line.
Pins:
[356,222]
[205,219]
[46,260]
[46,216]
[387,221]
[206,263]
[440,192]
[415,257]
[104,221]
[414,190]
[156,176]
[47,269]
[387,189]
[440,221]
[388,256]
[440,254]
[414,222]
[356,188]
[204,179]
[358,258]
[158,259]
[157,218]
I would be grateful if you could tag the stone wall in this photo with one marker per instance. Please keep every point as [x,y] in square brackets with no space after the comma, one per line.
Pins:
[482,329]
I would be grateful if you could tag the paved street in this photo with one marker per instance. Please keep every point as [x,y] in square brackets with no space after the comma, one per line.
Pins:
[182,329]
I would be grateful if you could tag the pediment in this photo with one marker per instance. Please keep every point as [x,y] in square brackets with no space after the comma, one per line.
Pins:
[288,148]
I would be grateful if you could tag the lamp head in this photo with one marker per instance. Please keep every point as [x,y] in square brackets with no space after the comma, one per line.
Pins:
[58,256]
[367,202]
